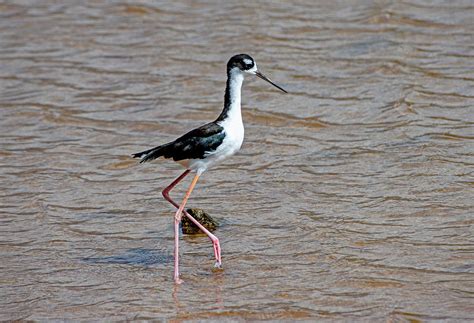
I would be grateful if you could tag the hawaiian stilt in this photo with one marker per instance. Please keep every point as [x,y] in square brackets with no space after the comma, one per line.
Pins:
[207,145]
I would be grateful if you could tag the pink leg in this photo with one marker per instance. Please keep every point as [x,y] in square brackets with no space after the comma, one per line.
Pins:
[177,220]
[214,239]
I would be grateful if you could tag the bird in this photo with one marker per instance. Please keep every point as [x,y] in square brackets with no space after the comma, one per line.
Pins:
[205,146]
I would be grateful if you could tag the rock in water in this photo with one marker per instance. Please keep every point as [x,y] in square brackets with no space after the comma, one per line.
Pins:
[202,217]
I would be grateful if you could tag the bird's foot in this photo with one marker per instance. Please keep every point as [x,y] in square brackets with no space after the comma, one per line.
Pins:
[178,281]
[218,266]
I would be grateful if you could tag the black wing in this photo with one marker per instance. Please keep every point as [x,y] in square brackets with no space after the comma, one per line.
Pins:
[192,145]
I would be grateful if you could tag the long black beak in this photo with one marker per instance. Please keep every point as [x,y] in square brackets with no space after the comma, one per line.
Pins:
[263,77]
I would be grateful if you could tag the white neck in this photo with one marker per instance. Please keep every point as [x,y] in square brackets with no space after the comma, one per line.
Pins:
[232,101]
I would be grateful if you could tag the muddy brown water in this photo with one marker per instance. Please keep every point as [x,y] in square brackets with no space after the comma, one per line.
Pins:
[351,199]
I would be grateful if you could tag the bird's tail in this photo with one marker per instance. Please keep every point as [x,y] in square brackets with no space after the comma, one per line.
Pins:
[151,154]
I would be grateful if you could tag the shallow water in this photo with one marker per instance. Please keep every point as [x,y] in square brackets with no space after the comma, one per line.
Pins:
[351,199]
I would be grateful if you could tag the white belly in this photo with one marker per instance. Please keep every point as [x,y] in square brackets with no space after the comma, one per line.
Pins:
[230,145]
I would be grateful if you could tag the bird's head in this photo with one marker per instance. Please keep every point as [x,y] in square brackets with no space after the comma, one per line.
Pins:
[245,63]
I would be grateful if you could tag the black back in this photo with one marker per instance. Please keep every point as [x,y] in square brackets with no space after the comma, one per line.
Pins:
[195,144]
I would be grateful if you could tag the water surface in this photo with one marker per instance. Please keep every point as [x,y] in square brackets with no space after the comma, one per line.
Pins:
[351,199]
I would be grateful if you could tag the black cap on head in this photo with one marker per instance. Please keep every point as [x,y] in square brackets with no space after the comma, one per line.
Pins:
[242,61]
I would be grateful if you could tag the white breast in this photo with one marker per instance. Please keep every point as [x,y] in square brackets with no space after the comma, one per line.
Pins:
[234,137]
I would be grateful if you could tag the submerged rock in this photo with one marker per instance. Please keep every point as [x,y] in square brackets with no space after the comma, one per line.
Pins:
[202,217]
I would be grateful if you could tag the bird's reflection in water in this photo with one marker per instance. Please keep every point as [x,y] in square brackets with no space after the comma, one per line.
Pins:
[215,286]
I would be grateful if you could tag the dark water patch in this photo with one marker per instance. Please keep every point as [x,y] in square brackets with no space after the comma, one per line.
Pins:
[134,257]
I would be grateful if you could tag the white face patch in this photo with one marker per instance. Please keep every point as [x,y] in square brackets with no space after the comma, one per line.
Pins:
[247,61]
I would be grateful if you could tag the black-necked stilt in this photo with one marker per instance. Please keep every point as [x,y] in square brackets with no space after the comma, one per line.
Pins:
[207,145]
